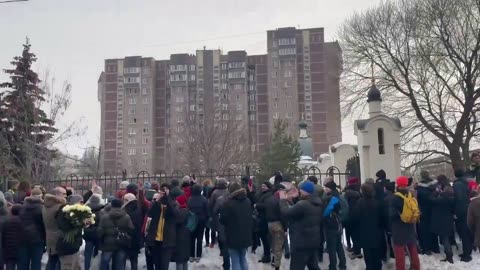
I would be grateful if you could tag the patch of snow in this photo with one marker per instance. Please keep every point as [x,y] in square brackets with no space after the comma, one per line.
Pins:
[211,260]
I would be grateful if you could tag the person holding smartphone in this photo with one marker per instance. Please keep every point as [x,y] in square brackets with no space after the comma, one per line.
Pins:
[161,228]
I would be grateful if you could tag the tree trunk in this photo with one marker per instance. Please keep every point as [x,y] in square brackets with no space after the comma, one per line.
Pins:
[456,158]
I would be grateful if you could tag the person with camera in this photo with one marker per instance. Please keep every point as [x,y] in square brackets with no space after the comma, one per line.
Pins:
[160,239]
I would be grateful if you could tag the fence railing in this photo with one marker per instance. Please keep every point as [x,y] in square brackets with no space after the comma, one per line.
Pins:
[110,183]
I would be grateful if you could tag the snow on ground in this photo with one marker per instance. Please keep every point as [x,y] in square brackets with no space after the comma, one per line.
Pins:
[212,260]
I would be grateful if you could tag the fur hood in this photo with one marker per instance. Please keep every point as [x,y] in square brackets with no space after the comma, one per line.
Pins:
[430,184]
[240,194]
[52,200]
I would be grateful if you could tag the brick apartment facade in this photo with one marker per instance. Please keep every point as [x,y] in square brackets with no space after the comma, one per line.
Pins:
[146,103]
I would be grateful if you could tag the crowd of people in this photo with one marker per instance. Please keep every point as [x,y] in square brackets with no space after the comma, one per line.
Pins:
[380,219]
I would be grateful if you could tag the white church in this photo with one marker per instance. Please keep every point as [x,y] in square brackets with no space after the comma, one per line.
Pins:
[378,144]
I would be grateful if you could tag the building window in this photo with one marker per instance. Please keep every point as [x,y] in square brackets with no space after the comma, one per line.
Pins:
[144,140]
[192,77]
[236,65]
[192,67]
[289,115]
[224,86]
[275,94]
[252,117]
[287,51]
[274,74]
[239,117]
[287,84]
[144,151]
[308,97]
[132,151]
[179,109]
[253,147]
[252,97]
[132,131]
[381,141]
[252,107]
[225,117]
[287,74]
[192,108]
[145,130]
[225,107]
[131,70]
[144,91]
[132,80]
[286,41]
[275,105]
[133,101]
[130,162]
[239,107]
[144,162]
[179,99]
[275,115]
[238,86]
[145,100]
[308,116]
[145,110]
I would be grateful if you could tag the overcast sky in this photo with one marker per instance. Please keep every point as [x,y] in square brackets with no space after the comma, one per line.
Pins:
[71,38]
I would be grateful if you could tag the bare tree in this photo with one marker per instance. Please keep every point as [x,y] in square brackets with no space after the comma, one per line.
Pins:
[425,57]
[218,141]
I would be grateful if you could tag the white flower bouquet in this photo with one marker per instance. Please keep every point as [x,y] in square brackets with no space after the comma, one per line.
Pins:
[79,216]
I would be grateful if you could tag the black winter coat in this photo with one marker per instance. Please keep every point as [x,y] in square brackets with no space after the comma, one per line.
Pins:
[170,227]
[63,247]
[181,254]
[425,191]
[262,197]
[31,216]
[402,233]
[368,216]
[3,221]
[106,230]
[133,210]
[12,237]
[352,195]
[90,233]
[462,197]
[236,216]
[304,219]
[443,206]
[272,209]
[198,204]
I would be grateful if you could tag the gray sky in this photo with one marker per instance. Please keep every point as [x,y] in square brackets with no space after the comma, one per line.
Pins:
[72,38]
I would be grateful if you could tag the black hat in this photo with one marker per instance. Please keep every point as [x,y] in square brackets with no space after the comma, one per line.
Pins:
[116,203]
[331,185]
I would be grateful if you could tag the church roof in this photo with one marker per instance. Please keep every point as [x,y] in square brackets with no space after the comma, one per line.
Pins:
[362,123]
[374,94]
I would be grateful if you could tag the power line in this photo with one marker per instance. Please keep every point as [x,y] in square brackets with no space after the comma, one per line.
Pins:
[12,1]
[203,40]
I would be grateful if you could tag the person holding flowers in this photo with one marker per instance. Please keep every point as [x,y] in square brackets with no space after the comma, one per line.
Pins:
[71,220]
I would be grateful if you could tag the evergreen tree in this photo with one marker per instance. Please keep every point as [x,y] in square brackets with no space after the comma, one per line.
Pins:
[283,153]
[26,127]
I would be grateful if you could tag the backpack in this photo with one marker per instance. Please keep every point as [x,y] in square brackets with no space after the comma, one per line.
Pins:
[410,212]
[122,238]
[344,209]
[192,221]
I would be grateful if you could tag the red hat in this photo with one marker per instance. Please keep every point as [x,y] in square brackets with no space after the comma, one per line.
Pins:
[353,180]
[402,181]
[472,185]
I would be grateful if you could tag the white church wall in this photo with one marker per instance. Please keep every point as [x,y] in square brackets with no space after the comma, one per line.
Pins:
[371,160]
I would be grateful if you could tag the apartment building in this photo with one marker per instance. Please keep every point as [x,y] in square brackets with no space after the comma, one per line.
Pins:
[146,105]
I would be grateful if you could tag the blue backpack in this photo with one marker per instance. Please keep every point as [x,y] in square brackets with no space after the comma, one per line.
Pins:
[192,221]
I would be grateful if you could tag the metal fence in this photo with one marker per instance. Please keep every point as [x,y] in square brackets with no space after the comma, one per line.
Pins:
[110,183]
